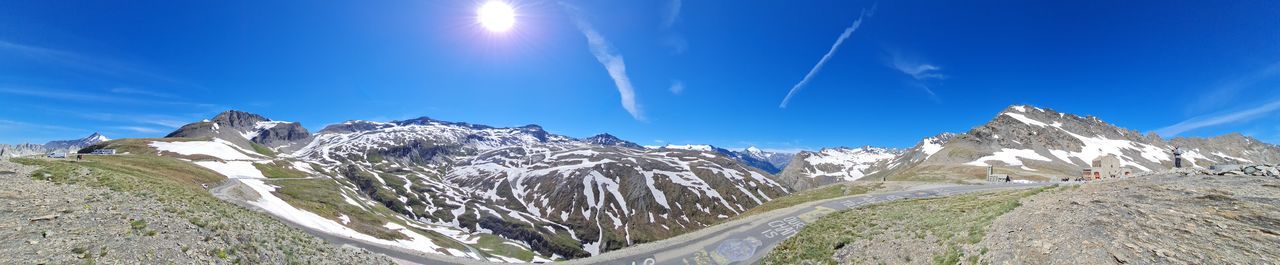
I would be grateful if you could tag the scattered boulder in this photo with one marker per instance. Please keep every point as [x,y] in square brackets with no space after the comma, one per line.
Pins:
[1249,170]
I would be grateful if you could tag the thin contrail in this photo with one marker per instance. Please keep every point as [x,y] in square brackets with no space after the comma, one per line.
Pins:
[814,71]
[611,60]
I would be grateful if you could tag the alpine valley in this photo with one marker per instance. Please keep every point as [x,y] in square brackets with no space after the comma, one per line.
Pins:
[524,194]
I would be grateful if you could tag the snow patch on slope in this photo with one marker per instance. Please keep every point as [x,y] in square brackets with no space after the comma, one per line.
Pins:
[217,148]
[1012,157]
[852,162]
[1025,119]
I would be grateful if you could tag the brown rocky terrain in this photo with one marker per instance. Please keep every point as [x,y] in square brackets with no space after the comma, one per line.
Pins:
[43,222]
[1164,219]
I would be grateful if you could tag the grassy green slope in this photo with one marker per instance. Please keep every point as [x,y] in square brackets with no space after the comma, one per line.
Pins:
[319,195]
[954,222]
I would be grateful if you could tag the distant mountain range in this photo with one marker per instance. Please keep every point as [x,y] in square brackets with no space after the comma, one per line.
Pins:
[565,197]
[1026,142]
[771,162]
[561,196]
[1039,143]
[64,146]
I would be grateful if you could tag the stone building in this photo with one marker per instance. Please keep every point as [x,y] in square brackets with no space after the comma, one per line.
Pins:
[1105,167]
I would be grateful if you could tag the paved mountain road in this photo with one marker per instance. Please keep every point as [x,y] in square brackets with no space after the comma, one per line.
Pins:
[743,241]
[747,241]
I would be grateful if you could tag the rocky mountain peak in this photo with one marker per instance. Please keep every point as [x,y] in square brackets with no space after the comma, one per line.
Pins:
[77,143]
[236,118]
[245,129]
[606,139]
[860,149]
[96,137]
[533,127]
[424,120]
[353,126]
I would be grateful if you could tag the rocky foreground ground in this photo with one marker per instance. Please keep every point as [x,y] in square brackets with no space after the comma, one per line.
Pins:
[1173,218]
[1166,219]
[42,222]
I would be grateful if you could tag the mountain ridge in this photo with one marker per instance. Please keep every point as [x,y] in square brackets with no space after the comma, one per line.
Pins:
[1041,143]
[63,146]
[560,196]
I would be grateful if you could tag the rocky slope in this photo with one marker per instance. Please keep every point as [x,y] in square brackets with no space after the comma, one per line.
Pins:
[831,165]
[778,160]
[772,162]
[247,129]
[1042,143]
[563,196]
[605,139]
[1168,219]
[21,150]
[461,187]
[72,218]
[1036,143]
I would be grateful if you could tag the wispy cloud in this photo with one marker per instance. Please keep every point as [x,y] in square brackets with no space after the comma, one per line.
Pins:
[917,70]
[673,39]
[138,129]
[847,32]
[610,59]
[672,13]
[677,87]
[921,72]
[90,97]
[1228,90]
[55,94]
[1214,120]
[19,125]
[88,64]
[166,121]
[140,92]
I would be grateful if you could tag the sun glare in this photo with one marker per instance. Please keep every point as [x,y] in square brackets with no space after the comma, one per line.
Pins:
[496,16]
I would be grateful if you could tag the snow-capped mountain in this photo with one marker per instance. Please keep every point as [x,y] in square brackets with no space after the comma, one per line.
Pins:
[76,144]
[831,165]
[66,146]
[605,139]
[1027,142]
[1039,143]
[608,197]
[556,195]
[778,160]
[771,162]
[246,129]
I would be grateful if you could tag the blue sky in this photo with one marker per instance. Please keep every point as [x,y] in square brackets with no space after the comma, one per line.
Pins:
[701,71]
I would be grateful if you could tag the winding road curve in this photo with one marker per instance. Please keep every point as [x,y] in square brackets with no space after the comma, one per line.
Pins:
[743,241]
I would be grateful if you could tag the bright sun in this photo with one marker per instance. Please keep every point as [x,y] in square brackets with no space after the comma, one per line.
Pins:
[496,16]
